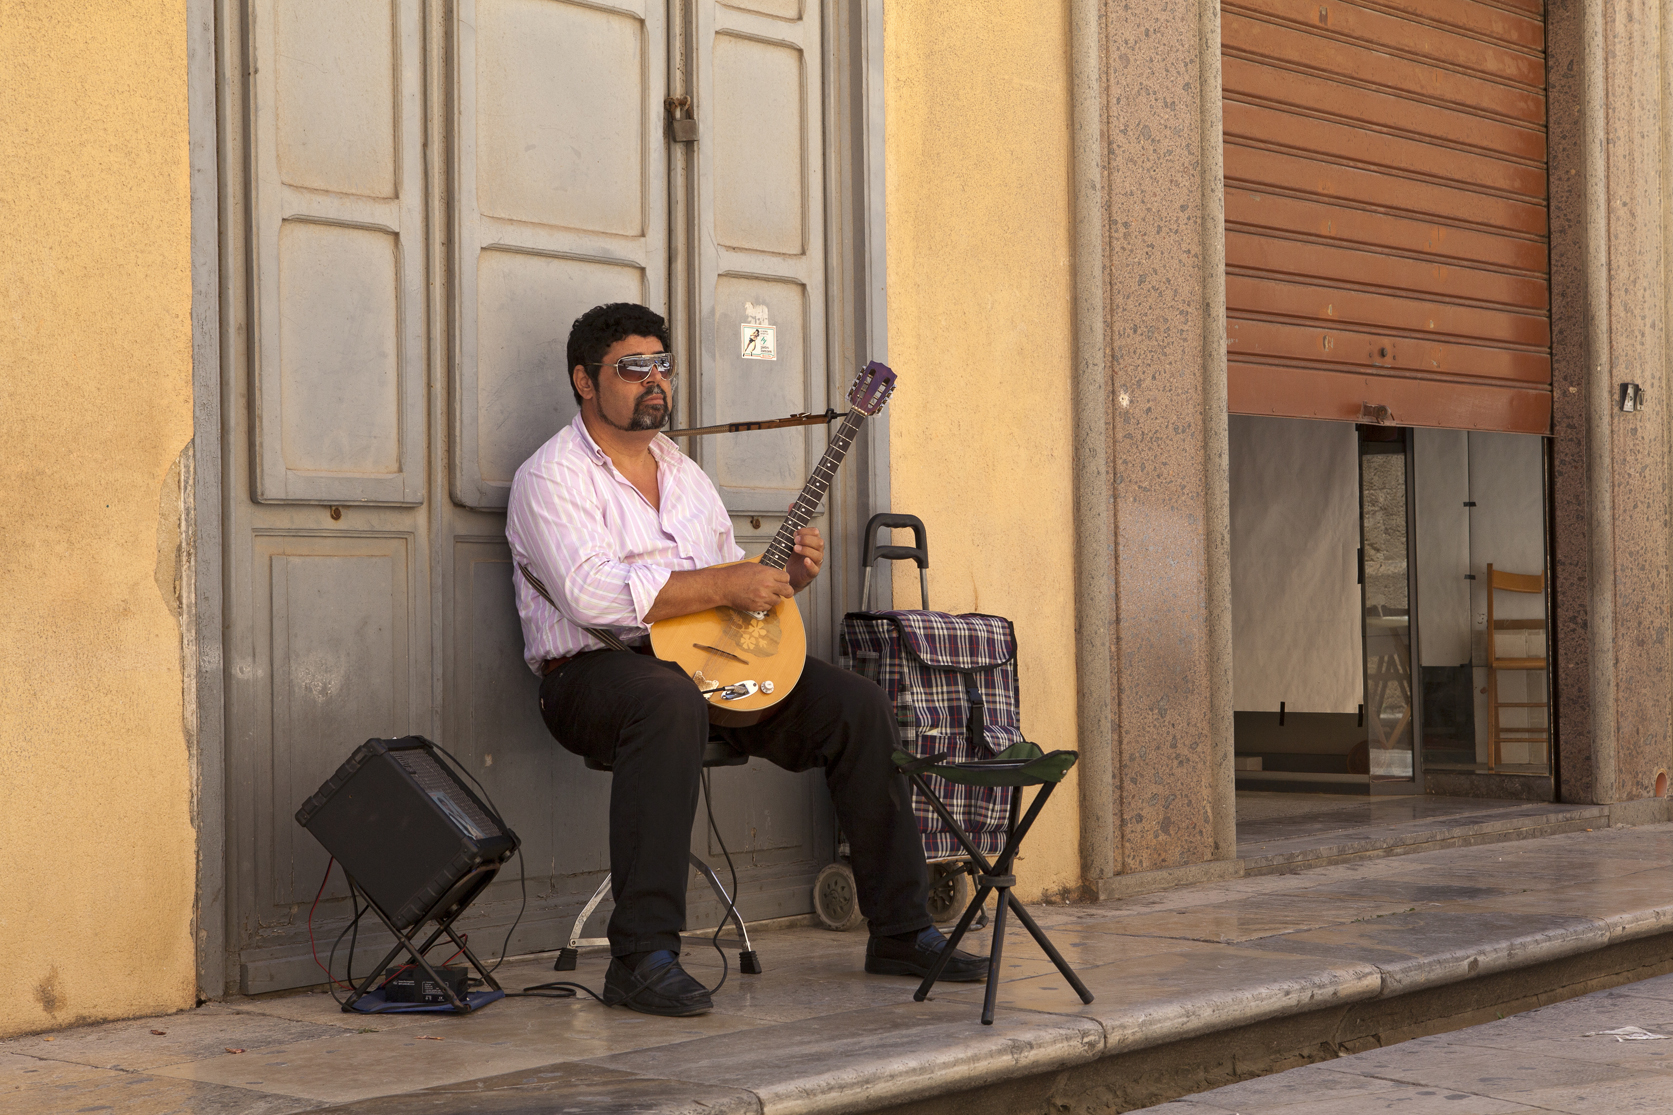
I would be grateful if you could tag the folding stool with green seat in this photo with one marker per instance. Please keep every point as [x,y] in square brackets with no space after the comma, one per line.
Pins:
[1019,765]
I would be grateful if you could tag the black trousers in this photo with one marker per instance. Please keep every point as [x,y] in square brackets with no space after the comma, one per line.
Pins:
[644,717]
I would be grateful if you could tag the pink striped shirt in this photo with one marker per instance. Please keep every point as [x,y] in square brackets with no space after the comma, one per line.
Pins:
[599,548]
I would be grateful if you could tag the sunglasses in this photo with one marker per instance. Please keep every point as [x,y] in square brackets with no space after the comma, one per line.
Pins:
[637,369]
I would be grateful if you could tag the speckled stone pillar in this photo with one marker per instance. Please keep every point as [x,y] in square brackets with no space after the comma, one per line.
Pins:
[1154,655]
[1610,521]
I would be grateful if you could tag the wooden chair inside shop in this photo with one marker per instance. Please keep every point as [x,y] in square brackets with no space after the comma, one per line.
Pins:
[1388,673]
[1498,733]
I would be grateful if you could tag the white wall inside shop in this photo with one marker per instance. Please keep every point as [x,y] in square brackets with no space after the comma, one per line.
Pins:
[1441,460]
[1295,565]
[1507,530]
[1502,475]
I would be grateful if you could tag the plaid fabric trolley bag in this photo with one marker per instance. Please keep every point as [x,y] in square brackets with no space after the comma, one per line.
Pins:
[953,681]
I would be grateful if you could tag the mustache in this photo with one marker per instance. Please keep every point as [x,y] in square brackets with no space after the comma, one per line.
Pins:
[655,394]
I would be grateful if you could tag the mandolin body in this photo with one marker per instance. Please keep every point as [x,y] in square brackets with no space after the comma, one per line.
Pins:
[723,646]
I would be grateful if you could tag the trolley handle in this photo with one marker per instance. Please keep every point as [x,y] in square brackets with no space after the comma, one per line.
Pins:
[871,553]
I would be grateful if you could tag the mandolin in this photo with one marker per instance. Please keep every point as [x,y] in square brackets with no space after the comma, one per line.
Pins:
[747,662]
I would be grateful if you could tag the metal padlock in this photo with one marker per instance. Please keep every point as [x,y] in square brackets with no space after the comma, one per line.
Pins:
[682,130]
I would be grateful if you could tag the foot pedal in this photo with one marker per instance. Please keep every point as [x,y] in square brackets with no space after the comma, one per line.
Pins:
[566,960]
[749,963]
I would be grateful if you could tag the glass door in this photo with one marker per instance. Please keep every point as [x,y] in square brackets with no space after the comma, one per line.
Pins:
[1389,714]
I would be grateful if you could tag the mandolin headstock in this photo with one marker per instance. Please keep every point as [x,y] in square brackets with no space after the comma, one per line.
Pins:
[872,388]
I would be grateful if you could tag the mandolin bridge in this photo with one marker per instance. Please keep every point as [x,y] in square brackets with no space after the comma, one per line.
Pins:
[717,650]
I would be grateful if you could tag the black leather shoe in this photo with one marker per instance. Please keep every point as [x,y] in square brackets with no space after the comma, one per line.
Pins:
[658,986]
[888,957]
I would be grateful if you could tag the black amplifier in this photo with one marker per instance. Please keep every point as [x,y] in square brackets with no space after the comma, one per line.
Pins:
[407,829]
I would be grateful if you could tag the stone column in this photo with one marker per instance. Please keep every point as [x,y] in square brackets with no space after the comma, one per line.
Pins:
[1153,642]
[1610,520]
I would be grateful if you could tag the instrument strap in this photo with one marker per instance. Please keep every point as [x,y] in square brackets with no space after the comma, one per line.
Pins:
[603,634]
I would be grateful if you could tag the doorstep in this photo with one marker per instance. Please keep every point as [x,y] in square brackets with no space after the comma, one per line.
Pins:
[1283,831]
[1366,953]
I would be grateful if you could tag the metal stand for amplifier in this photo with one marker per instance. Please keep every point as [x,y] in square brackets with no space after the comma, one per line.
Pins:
[469,886]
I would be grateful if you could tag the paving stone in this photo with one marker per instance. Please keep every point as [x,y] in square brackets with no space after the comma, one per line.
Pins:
[1414,892]
[890,1055]
[1169,996]
[322,1010]
[1426,948]
[1404,1099]
[1246,919]
[204,1032]
[351,1066]
[1613,1097]
[1479,1070]
[64,1089]
[564,1090]
[1628,906]
[1298,1085]
[1659,988]
[575,1029]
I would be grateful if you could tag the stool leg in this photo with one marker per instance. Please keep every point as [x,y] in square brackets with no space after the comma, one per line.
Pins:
[568,955]
[748,961]
[1050,950]
[995,955]
[952,943]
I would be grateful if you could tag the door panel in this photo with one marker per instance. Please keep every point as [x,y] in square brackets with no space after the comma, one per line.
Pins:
[765,813]
[760,139]
[760,187]
[339,351]
[560,808]
[521,394]
[763,470]
[333,626]
[563,204]
[336,166]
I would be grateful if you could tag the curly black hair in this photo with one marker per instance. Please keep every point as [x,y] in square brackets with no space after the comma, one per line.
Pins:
[602,326]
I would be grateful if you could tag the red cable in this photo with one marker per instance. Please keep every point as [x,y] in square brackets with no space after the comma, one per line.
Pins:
[332,862]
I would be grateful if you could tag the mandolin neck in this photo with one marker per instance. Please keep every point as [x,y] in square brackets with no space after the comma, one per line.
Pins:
[782,547]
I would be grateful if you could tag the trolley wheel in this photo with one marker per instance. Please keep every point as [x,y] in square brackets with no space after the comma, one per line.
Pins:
[949,890]
[836,902]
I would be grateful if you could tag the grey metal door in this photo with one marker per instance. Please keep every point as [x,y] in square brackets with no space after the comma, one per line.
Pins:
[434,192]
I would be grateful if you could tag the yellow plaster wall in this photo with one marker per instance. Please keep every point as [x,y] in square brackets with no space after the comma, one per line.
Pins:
[96,842]
[980,329]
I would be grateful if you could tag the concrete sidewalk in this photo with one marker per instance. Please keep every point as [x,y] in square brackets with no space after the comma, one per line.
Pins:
[1557,1058]
[1195,987]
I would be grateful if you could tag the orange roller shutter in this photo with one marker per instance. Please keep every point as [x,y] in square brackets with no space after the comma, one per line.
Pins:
[1386,231]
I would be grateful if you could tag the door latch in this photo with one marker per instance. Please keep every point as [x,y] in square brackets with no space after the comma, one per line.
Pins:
[682,128]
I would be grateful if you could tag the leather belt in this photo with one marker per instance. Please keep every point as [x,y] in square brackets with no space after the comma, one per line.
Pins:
[551,664]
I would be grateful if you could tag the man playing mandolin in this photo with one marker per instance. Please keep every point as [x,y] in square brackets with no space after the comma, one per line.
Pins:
[612,528]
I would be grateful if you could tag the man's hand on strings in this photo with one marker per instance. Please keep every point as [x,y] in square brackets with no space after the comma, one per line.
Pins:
[808,557]
[752,587]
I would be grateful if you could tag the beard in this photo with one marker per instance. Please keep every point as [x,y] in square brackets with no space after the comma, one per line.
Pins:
[650,411]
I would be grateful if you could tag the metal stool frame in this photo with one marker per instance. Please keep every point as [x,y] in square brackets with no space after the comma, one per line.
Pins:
[716,753]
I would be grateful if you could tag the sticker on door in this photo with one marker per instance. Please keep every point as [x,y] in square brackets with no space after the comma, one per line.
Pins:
[759,339]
